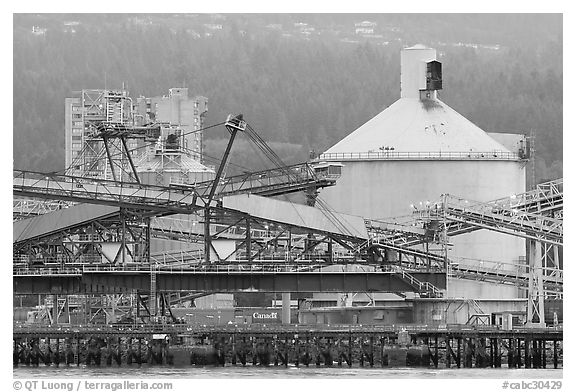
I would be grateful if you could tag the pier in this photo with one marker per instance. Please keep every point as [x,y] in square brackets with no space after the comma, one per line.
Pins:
[290,345]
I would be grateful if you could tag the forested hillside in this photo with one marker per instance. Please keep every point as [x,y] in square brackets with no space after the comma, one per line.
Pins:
[300,89]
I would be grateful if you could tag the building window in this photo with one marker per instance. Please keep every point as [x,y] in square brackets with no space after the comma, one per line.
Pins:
[77,123]
[76,146]
[77,138]
[77,115]
[76,130]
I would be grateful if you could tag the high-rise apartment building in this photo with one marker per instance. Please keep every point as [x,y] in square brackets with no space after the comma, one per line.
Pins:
[74,128]
[85,154]
[82,115]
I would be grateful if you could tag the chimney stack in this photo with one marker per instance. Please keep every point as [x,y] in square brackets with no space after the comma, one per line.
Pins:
[420,73]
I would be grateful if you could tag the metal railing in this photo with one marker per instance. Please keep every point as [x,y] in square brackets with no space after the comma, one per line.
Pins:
[23,208]
[231,267]
[56,261]
[421,155]
[422,287]
[240,266]
[267,328]
[19,271]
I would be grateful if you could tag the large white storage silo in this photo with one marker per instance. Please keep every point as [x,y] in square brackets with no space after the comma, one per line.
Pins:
[418,149]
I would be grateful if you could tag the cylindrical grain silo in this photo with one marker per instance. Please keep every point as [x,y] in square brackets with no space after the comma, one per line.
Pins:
[418,149]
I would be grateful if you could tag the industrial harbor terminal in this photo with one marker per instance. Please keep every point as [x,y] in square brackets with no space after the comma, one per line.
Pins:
[417,241]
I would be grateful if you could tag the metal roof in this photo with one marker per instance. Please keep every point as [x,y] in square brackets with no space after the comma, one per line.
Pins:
[285,212]
[42,225]
[414,125]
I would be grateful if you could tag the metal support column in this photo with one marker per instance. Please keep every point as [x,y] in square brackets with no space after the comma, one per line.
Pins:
[248,240]
[127,153]
[285,308]
[207,238]
[55,309]
[535,285]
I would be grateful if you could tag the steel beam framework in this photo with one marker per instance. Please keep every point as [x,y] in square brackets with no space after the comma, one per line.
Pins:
[531,226]
[172,199]
[99,280]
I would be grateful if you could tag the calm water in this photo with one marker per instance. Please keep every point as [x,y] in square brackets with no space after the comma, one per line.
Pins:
[279,372]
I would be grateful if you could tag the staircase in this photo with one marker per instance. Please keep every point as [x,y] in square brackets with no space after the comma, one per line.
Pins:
[425,289]
[477,315]
[177,258]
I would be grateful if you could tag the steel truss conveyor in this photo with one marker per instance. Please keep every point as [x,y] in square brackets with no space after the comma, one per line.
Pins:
[274,182]
[271,182]
[95,191]
[534,215]
[498,218]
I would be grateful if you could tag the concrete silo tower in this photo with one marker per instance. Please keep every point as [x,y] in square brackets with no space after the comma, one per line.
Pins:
[418,149]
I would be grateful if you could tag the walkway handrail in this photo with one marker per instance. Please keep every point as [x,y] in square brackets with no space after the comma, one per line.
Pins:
[417,155]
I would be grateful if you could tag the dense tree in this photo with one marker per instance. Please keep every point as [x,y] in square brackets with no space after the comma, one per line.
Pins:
[300,93]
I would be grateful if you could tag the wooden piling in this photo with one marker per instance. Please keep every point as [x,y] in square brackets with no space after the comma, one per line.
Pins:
[448,351]
[519,350]
[15,354]
[527,353]
[459,347]
[77,351]
[436,351]
[297,350]
[371,351]
[139,351]
[286,358]
[498,346]
[492,361]
[57,355]
[458,357]
[555,354]
[350,349]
